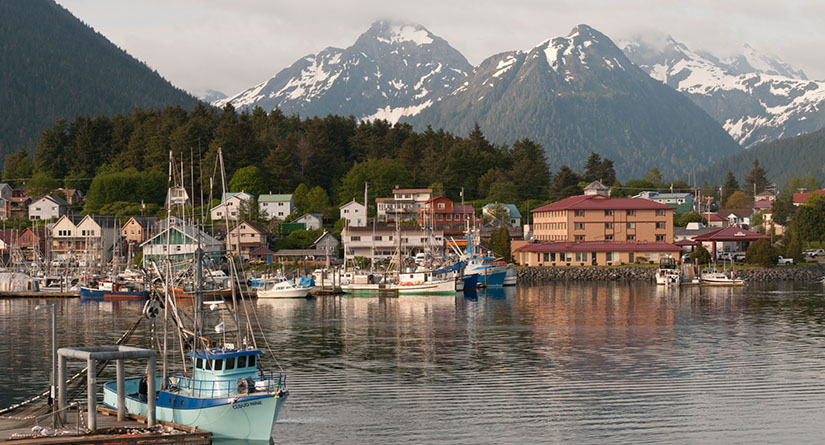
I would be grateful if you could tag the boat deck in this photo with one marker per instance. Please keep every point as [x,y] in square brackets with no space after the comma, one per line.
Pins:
[109,430]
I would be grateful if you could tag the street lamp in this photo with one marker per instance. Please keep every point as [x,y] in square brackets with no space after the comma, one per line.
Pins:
[52,392]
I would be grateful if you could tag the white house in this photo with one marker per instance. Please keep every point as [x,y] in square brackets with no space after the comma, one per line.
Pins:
[403,205]
[230,206]
[84,239]
[383,241]
[355,213]
[48,207]
[276,207]
[312,221]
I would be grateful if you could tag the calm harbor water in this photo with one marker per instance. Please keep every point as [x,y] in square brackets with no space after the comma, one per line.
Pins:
[582,363]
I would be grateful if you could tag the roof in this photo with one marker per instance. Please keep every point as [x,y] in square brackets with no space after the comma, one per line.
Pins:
[56,199]
[384,199]
[740,213]
[261,251]
[799,198]
[463,208]
[436,198]
[598,202]
[300,252]
[763,204]
[596,185]
[384,229]
[395,191]
[353,202]
[687,242]
[712,217]
[657,195]
[103,220]
[254,226]
[189,231]
[240,195]
[599,247]
[324,235]
[731,233]
[514,213]
[320,216]
[143,221]
[275,198]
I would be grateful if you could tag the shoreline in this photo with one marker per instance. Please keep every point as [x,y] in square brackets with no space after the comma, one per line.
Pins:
[549,274]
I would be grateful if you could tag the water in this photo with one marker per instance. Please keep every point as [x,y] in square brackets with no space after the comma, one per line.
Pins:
[582,363]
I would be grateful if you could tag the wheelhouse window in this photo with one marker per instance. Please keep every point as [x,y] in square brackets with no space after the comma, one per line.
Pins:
[199,363]
[242,362]
[251,361]
[218,365]
[230,363]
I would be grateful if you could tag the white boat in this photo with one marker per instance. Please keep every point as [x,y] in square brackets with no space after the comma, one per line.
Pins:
[668,272]
[424,283]
[717,278]
[284,289]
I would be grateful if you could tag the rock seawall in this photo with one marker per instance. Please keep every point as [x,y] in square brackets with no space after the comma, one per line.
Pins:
[541,275]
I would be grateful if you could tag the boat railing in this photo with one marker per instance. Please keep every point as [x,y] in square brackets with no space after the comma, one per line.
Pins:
[267,381]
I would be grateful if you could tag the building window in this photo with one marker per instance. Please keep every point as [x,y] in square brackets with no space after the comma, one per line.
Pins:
[608,256]
[608,237]
[578,238]
[631,225]
[608,213]
[578,226]
[440,205]
[631,237]
[660,212]
[631,213]
[660,225]
[377,238]
[579,212]
[608,226]
[355,238]
[660,238]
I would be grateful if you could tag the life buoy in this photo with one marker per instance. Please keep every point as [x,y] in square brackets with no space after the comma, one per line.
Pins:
[246,386]
[151,309]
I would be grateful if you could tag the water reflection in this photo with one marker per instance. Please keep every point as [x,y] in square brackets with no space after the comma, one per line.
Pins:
[579,362]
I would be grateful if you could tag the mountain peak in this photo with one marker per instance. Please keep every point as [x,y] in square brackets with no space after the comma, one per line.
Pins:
[392,32]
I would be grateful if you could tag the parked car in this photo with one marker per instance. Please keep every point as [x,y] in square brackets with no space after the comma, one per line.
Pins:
[784,261]
[738,258]
[818,253]
[686,258]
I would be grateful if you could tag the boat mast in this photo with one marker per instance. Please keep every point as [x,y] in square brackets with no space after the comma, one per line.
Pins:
[231,255]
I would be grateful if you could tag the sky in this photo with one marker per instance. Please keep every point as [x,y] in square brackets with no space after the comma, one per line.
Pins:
[232,45]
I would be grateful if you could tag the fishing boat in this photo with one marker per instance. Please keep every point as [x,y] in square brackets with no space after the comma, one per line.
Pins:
[668,272]
[287,289]
[487,273]
[106,290]
[713,277]
[424,283]
[222,387]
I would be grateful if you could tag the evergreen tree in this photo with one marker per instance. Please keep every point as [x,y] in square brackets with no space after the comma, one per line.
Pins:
[794,248]
[700,256]
[730,186]
[248,179]
[762,253]
[565,184]
[781,210]
[757,180]
[18,167]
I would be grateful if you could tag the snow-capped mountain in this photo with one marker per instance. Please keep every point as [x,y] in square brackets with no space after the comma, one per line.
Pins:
[756,98]
[392,70]
[209,95]
[579,94]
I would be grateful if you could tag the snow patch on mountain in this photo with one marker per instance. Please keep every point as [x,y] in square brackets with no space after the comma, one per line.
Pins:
[395,114]
[407,33]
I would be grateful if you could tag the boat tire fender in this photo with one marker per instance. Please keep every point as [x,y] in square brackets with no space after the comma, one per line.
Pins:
[151,309]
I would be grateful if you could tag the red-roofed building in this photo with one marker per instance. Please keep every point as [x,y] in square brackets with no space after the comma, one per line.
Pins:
[441,213]
[599,218]
[800,198]
[737,238]
[714,220]
[593,253]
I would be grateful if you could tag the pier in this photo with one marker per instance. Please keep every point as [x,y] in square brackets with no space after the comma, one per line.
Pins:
[39,294]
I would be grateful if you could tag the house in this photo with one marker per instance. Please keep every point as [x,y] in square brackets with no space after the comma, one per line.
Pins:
[355,213]
[32,243]
[596,188]
[230,206]
[403,205]
[14,207]
[301,257]
[8,238]
[681,202]
[276,207]
[179,243]
[72,196]
[138,229]
[769,195]
[597,230]
[83,239]
[48,207]
[6,191]
[441,214]
[800,198]
[736,217]
[383,241]
[311,221]
[327,243]
[245,238]
[262,254]
[506,213]
[714,220]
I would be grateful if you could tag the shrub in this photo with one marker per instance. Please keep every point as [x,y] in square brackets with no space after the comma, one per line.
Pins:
[762,253]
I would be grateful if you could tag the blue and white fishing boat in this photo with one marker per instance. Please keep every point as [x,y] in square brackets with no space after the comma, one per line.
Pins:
[487,271]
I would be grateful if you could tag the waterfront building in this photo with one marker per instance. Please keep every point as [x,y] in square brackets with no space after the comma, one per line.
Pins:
[48,207]
[383,241]
[83,240]
[230,206]
[597,230]
[403,205]
[275,207]
[32,243]
[15,207]
[246,237]
[681,202]
[182,242]
[327,243]
[138,229]
[355,213]
[441,214]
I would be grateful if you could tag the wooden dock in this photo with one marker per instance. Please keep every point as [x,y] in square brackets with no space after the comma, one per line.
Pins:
[132,431]
[33,294]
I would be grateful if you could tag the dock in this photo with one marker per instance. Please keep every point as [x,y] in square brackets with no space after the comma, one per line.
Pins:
[109,430]
[37,294]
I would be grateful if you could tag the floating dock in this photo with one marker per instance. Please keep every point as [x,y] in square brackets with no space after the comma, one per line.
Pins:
[38,294]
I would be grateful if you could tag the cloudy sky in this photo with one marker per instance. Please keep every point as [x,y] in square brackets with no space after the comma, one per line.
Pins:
[231,45]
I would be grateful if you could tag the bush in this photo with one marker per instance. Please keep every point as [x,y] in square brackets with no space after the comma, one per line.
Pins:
[700,256]
[762,253]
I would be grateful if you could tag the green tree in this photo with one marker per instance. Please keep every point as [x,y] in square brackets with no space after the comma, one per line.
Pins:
[654,177]
[317,201]
[738,200]
[565,184]
[381,174]
[757,179]
[794,248]
[729,187]
[500,244]
[299,197]
[762,253]
[17,168]
[41,184]
[248,179]
[781,210]
[598,169]
[809,220]
[700,255]
[799,184]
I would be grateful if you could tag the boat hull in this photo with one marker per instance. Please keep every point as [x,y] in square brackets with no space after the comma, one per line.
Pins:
[300,292]
[249,417]
[107,295]
[446,287]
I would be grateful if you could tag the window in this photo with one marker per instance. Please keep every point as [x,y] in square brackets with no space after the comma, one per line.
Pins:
[578,238]
[199,363]
[579,213]
[631,213]
[218,364]
[608,226]
[377,238]
[546,257]
[660,225]
[440,205]
[660,238]
[608,237]
[660,212]
[355,238]
[608,213]
[578,226]
[631,225]
[208,364]
[242,362]
[552,257]
[251,361]
[581,256]
[230,363]
[631,237]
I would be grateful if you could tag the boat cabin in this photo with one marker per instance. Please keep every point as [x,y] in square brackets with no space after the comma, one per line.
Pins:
[216,363]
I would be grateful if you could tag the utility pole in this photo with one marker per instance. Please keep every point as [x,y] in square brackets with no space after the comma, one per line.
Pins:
[462,195]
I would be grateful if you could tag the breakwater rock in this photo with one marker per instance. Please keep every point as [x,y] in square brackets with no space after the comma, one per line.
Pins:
[541,275]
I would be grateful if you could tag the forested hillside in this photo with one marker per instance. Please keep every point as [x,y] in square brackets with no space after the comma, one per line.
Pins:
[783,159]
[55,67]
